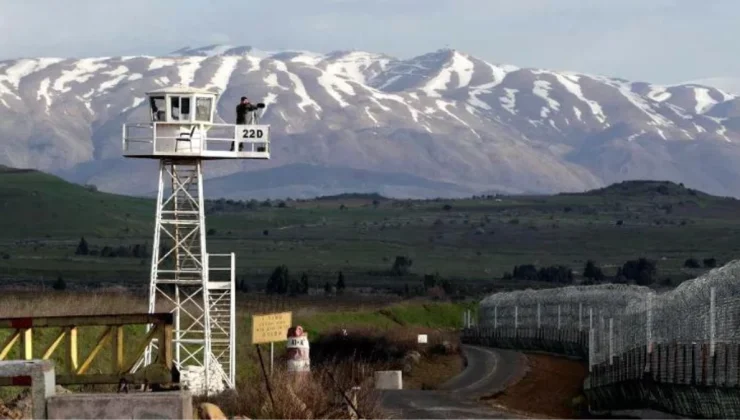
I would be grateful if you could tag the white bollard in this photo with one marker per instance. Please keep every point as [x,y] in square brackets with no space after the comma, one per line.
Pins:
[388,379]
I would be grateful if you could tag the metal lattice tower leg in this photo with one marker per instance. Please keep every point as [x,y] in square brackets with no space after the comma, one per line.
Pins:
[204,310]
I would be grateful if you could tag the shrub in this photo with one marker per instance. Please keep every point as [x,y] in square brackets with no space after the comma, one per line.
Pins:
[692,263]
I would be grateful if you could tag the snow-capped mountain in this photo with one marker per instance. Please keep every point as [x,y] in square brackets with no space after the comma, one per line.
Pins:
[445,117]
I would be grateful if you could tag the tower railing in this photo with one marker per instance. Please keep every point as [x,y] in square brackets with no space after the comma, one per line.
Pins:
[198,140]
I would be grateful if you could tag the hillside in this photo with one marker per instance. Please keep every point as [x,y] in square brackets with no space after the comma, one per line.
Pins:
[473,241]
[309,181]
[37,205]
[445,117]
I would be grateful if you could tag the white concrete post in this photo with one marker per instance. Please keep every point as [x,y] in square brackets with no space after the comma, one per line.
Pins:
[40,374]
[590,318]
[611,340]
[495,317]
[712,323]
[649,323]
[558,316]
[539,324]
[591,350]
[580,316]
[516,317]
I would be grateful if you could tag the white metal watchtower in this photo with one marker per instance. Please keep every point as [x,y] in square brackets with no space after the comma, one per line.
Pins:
[181,135]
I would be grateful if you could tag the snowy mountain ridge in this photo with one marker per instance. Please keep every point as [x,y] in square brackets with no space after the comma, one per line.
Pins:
[444,116]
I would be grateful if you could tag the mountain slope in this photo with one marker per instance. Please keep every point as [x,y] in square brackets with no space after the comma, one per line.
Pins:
[444,116]
[308,181]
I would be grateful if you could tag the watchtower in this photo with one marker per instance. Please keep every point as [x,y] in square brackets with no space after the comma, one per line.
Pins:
[196,286]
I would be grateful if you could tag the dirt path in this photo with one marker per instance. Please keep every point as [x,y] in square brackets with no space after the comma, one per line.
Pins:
[547,389]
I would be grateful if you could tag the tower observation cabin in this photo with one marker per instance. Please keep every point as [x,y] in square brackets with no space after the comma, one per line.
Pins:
[197,287]
[182,125]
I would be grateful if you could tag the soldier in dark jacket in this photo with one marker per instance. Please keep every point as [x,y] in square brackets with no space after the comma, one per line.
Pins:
[241,111]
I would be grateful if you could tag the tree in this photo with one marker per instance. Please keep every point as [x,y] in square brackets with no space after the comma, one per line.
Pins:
[211,232]
[304,284]
[710,262]
[447,287]
[555,274]
[641,271]
[447,207]
[401,266]
[59,284]
[327,287]
[431,280]
[592,272]
[525,272]
[692,263]
[279,281]
[294,287]
[82,248]
[340,282]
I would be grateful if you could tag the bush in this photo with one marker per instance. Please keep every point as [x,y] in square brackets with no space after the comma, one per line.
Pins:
[82,248]
[641,271]
[692,263]
[317,396]
[59,284]
[525,272]
[401,266]
[279,281]
[710,262]
[592,272]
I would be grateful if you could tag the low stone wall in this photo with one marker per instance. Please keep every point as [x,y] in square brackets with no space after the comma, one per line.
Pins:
[138,405]
[705,388]
[695,401]
[565,341]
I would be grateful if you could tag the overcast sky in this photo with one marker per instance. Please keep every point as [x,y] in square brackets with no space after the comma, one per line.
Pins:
[663,41]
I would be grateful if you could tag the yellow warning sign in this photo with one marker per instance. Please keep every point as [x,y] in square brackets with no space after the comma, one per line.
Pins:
[270,328]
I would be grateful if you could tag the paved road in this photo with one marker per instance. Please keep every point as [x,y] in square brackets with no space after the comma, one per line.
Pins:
[488,371]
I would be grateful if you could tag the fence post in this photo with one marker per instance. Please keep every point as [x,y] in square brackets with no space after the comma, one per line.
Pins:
[495,317]
[591,342]
[580,316]
[712,311]
[516,317]
[611,340]
[539,325]
[558,316]
[649,324]
[591,318]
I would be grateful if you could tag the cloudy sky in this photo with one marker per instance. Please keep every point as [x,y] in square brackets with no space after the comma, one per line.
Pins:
[663,41]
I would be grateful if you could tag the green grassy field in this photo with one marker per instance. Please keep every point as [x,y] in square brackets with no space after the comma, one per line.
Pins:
[473,240]
[316,315]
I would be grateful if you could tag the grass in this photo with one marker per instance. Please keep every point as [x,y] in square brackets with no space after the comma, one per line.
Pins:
[323,317]
[473,241]
[318,316]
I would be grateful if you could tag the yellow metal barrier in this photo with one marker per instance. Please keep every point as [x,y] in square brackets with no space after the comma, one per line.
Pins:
[71,368]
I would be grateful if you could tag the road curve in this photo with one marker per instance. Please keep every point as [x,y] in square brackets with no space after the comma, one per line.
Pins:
[487,371]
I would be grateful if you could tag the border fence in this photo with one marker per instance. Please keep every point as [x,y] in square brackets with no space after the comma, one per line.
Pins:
[688,337]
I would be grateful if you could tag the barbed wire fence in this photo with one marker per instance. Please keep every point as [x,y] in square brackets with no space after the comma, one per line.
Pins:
[687,335]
